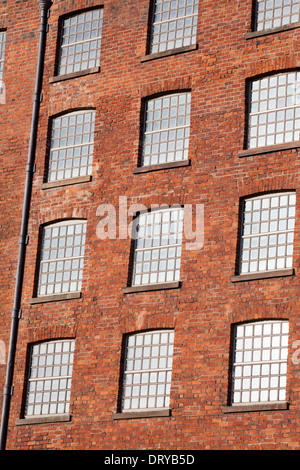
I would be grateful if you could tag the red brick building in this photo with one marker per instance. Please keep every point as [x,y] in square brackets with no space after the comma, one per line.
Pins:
[157,340]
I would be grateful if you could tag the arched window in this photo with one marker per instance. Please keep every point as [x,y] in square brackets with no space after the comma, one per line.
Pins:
[166,129]
[49,378]
[148,370]
[80,44]
[259,367]
[2,52]
[274,110]
[72,145]
[267,234]
[272,14]
[157,254]
[62,254]
[174,24]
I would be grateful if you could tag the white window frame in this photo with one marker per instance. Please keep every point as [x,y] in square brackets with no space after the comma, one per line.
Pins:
[80,43]
[274,110]
[173,26]
[71,145]
[166,128]
[259,368]
[61,261]
[267,234]
[147,371]
[49,378]
[158,246]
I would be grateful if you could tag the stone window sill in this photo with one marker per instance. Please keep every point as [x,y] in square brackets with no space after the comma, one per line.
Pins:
[159,55]
[69,76]
[67,182]
[152,287]
[55,298]
[43,419]
[267,32]
[263,275]
[259,407]
[161,166]
[142,414]
[268,149]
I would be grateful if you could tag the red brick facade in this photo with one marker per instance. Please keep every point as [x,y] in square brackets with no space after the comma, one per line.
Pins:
[207,304]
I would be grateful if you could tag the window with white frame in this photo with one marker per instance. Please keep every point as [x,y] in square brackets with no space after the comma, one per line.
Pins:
[260,362]
[50,376]
[72,145]
[62,254]
[174,24]
[2,52]
[157,253]
[272,14]
[148,370]
[268,232]
[80,46]
[166,129]
[274,116]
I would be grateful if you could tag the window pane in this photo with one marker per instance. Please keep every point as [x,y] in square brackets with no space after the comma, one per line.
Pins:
[157,249]
[50,376]
[81,42]
[259,365]
[274,107]
[275,14]
[267,232]
[62,258]
[167,129]
[174,24]
[148,370]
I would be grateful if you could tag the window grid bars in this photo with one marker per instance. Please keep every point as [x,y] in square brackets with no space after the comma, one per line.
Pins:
[174,24]
[274,116]
[268,232]
[50,377]
[157,253]
[2,54]
[81,42]
[260,362]
[148,370]
[276,13]
[61,265]
[166,129]
[72,145]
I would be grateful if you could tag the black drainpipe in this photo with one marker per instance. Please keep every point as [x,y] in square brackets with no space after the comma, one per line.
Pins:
[8,388]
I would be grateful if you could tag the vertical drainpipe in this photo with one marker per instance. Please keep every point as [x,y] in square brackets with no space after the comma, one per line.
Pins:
[30,168]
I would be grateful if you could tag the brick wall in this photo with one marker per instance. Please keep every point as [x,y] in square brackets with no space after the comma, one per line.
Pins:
[203,310]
